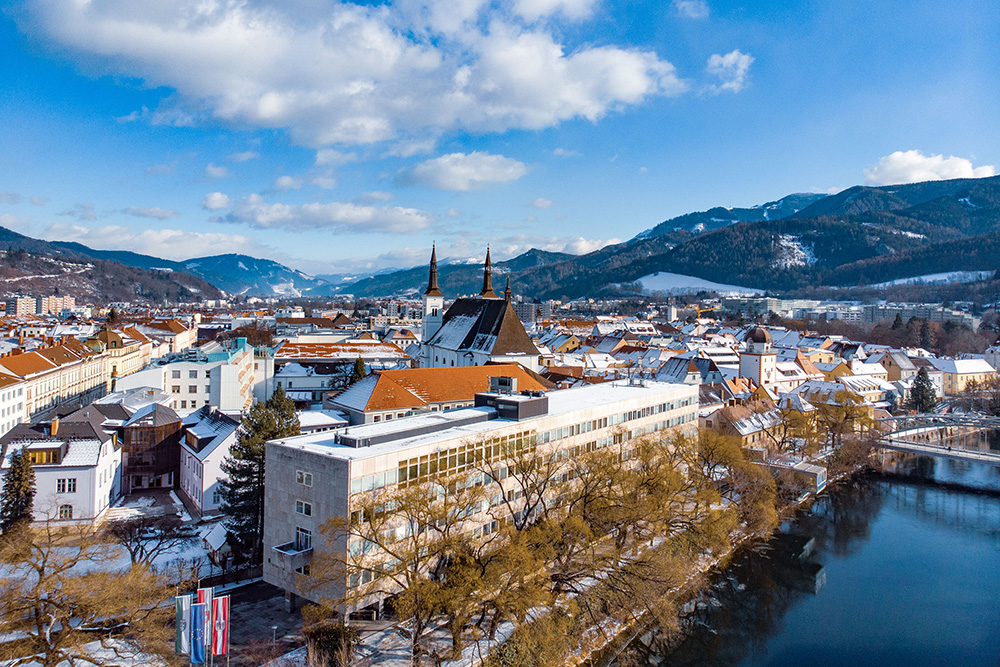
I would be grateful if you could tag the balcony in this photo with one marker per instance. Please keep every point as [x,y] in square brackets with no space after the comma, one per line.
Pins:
[291,556]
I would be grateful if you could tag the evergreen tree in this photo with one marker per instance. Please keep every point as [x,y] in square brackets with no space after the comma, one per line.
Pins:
[18,495]
[112,317]
[898,322]
[923,398]
[243,489]
[358,371]
[926,336]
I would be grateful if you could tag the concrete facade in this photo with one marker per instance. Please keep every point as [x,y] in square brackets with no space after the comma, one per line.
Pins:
[573,420]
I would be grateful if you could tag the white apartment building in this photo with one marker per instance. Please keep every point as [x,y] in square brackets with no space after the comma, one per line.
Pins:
[214,374]
[311,478]
[207,438]
[77,468]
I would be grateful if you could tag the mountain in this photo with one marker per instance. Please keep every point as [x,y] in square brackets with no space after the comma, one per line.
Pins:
[859,236]
[121,256]
[242,274]
[235,274]
[715,218]
[35,267]
[454,276]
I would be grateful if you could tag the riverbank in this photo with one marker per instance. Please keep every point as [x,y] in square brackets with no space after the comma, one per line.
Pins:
[881,569]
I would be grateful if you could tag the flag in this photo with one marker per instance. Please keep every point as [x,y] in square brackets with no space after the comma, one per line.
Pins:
[220,630]
[205,597]
[198,633]
[182,638]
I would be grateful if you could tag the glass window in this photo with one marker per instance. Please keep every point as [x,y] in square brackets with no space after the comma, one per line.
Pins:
[193,375]
[175,375]
[65,511]
[303,539]
[303,508]
[304,478]
[192,389]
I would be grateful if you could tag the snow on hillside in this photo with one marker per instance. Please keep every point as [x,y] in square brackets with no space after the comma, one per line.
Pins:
[938,279]
[675,283]
[793,253]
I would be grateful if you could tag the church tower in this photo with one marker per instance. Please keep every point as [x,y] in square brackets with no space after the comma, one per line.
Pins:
[487,291]
[758,362]
[433,302]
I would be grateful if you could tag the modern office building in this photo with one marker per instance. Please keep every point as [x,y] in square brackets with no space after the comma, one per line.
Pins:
[311,478]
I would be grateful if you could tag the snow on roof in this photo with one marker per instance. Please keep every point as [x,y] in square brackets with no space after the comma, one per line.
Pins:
[962,366]
[560,402]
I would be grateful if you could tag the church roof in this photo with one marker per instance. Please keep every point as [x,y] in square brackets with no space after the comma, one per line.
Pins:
[483,325]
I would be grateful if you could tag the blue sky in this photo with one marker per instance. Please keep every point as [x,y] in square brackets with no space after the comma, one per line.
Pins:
[338,137]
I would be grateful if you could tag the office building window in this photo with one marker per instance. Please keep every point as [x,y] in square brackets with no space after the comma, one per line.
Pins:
[304,478]
[303,539]
[303,508]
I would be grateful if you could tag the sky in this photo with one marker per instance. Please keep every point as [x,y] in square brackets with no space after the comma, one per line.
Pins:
[340,137]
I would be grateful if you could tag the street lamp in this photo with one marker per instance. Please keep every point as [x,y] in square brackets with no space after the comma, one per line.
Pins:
[274,635]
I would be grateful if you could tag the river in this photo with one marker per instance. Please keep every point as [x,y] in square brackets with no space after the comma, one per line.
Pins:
[900,570]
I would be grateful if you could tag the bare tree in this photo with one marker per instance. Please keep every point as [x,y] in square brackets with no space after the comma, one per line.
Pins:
[146,537]
[69,611]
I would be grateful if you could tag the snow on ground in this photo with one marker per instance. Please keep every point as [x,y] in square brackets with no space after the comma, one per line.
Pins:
[909,235]
[793,253]
[938,278]
[676,283]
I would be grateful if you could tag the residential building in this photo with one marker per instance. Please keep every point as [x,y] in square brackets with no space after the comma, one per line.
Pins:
[19,305]
[77,466]
[206,438]
[312,478]
[959,372]
[220,374]
[151,440]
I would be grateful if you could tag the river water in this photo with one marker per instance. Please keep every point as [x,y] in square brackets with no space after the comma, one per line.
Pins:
[879,571]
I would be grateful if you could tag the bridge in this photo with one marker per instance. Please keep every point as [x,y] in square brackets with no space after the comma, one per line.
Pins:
[954,435]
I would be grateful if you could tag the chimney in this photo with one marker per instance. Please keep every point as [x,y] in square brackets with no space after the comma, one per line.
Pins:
[54,426]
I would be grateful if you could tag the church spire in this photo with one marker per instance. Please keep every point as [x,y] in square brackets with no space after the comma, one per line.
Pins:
[432,280]
[487,291]
[506,291]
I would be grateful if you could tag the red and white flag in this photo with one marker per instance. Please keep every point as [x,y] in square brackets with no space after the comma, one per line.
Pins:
[220,628]
[205,596]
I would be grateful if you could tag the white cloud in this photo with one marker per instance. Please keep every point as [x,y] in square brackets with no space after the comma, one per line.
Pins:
[243,157]
[355,74]
[454,213]
[285,183]
[80,212]
[691,9]
[151,212]
[39,200]
[731,69]
[215,201]
[542,202]
[532,10]
[212,171]
[563,152]
[12,221]
[462,172]
[341,216]
[169,243]
[329,156]
[325,181]
[913,167]
[376,195]
[581,246]
[9,197]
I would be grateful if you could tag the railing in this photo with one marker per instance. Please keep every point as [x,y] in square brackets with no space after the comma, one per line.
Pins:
[291,556]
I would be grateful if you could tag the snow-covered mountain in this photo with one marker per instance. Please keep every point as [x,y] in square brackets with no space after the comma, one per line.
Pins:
[242,274]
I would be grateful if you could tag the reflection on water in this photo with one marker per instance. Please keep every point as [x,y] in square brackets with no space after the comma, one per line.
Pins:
[900,570]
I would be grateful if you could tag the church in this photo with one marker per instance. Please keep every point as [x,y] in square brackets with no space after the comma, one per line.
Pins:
[474,330]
